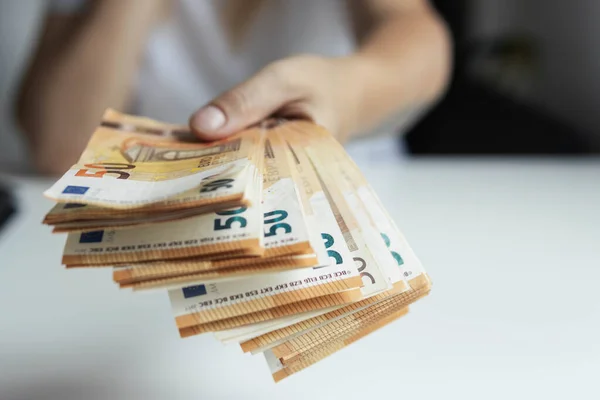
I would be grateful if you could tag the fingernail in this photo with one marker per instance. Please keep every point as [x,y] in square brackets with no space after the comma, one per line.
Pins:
[209,119]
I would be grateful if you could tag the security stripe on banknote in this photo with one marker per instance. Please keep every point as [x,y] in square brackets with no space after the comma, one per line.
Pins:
[289,350]
[274,337]
[245,303]
[273,313]
[334,346]
[286,263]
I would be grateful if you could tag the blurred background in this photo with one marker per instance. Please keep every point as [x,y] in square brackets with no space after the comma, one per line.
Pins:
[526,79]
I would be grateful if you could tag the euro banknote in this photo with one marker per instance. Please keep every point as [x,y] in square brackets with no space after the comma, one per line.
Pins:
[133,162]
[271,239]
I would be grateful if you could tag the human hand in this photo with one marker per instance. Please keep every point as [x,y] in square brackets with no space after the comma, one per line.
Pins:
[322,90]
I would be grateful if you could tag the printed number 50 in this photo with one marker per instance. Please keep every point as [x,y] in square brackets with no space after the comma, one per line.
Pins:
[281,215]
[220,225]
[105,168]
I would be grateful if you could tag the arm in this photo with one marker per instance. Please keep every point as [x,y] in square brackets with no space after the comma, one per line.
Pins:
[83,64]
[402,62]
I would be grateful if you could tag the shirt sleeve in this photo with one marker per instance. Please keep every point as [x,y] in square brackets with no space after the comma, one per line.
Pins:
[67,6]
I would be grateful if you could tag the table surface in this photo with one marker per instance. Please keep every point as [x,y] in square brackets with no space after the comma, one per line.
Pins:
[512,247]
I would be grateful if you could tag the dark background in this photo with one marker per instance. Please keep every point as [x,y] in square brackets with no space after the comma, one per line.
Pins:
[490,107]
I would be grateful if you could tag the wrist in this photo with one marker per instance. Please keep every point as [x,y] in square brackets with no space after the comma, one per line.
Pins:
[354,75]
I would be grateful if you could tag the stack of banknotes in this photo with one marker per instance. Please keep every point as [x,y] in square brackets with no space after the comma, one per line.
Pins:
[271,238]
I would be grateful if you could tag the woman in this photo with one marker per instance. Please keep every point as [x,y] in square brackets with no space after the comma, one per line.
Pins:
[347,65]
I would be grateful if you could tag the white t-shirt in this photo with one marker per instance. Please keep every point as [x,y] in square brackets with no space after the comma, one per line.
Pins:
[189,60]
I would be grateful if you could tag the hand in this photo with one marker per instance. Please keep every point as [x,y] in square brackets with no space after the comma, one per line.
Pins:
[318,89]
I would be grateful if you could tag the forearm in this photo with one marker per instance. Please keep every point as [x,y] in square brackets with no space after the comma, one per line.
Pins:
[403,63]
[94,70]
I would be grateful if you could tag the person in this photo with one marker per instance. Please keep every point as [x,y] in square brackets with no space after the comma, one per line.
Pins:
[348,65]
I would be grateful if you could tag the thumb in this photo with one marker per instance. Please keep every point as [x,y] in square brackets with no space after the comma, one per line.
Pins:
[244,105]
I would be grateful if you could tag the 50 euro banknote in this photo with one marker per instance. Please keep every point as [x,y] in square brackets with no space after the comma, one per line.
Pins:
[292,233]
[229,299]
[238,230]
[347,248]
[269,227]
[316,213]
[133,162]
[359,190]
[378,225]
[378,271]
[206,302]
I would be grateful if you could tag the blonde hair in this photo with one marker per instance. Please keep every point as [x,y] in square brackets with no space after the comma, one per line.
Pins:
[237,16]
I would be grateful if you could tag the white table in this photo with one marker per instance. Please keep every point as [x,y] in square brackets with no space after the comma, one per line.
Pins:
[513,248]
